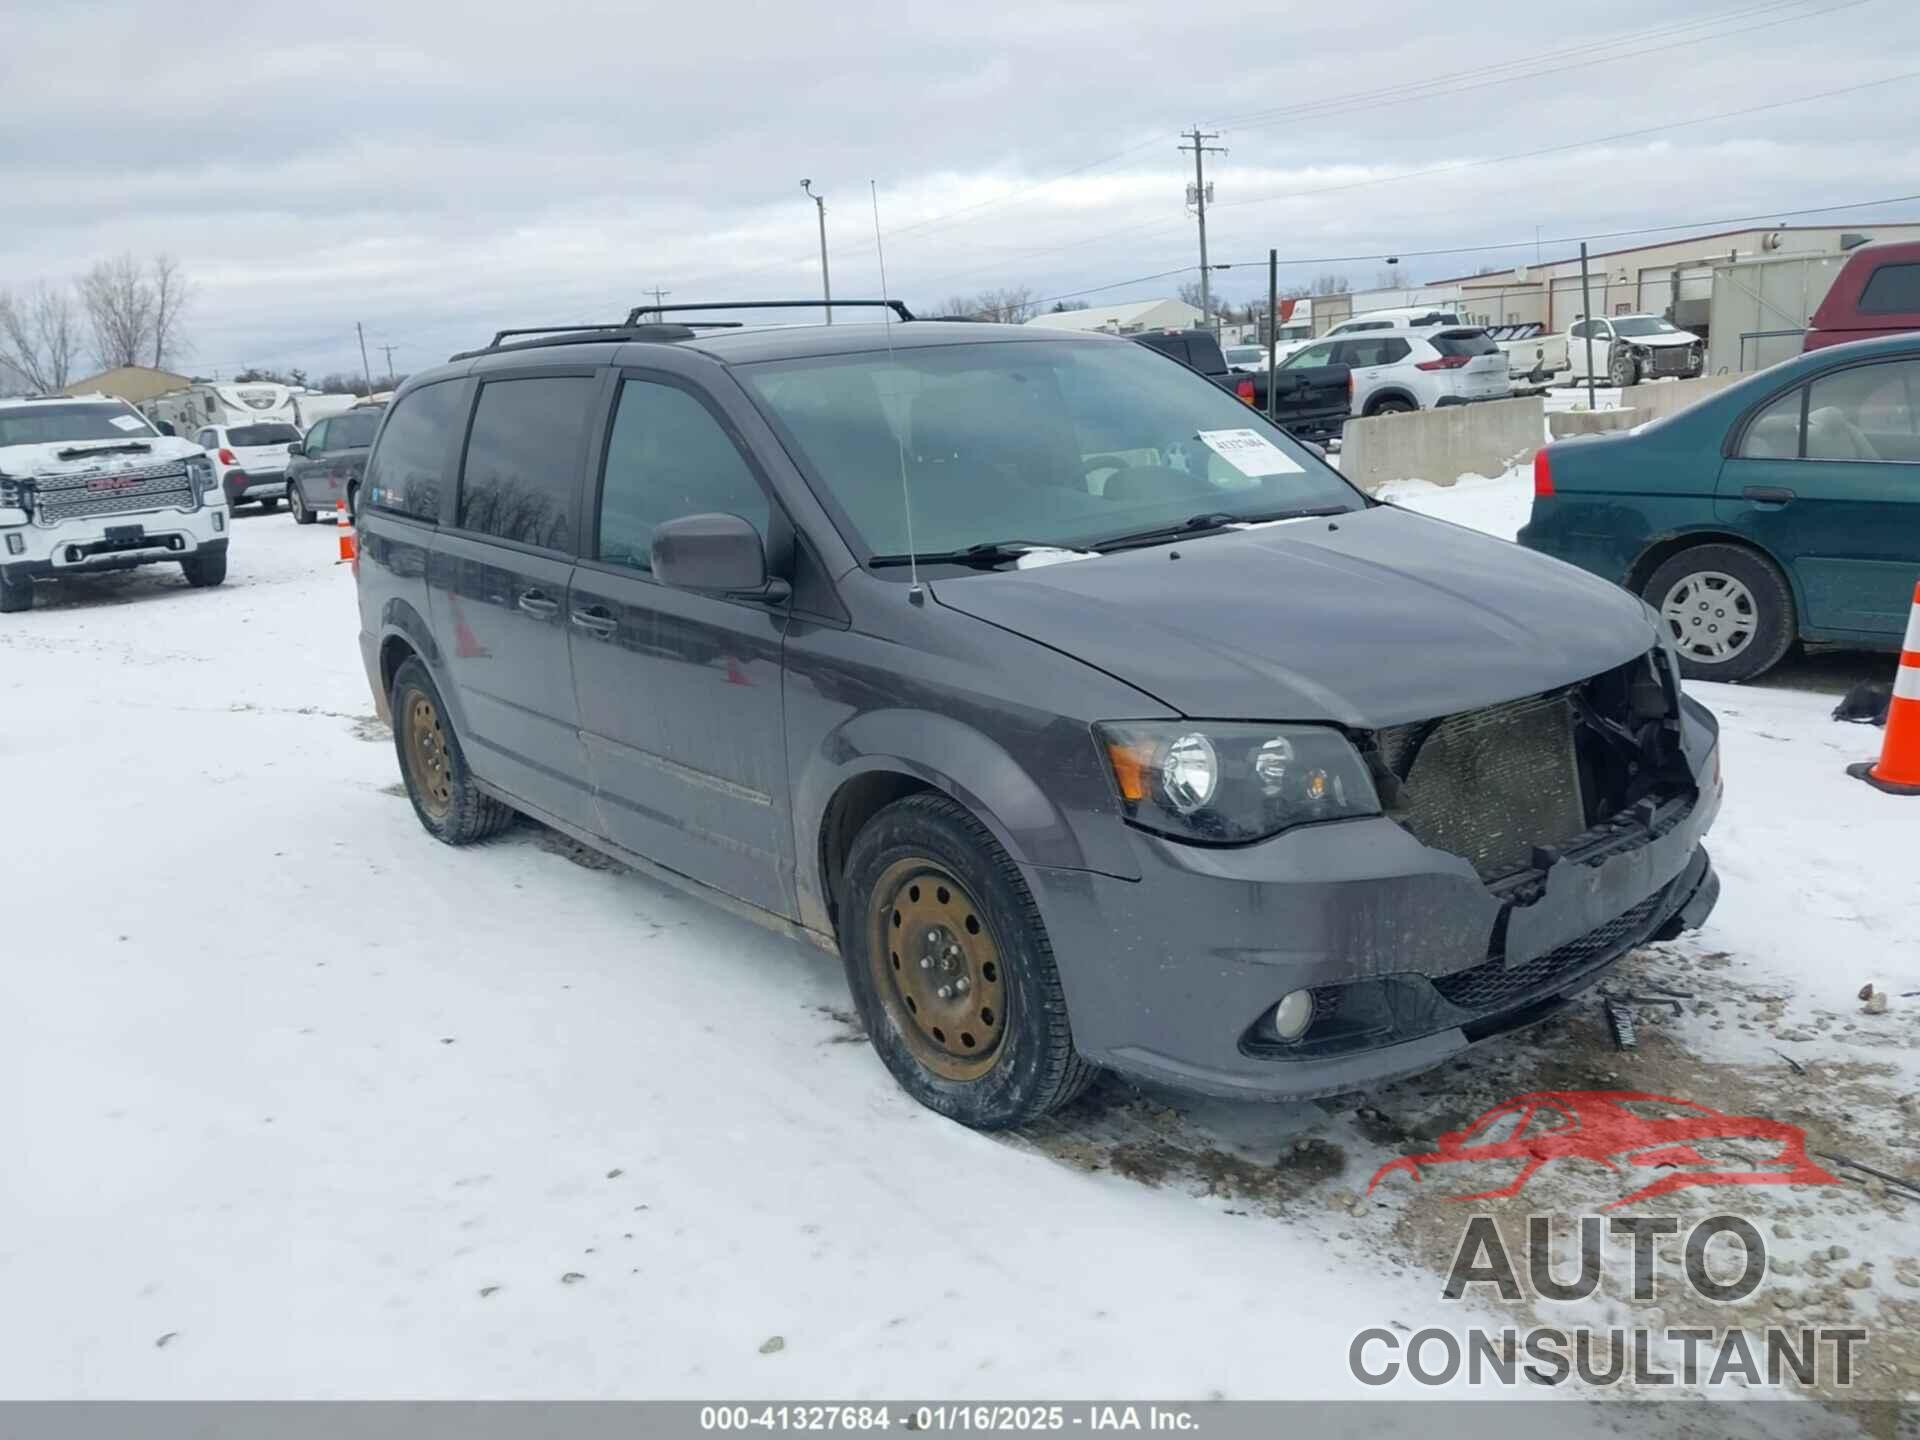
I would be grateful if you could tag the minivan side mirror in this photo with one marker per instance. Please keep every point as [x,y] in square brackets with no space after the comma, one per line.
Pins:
[297,447]
[716,554]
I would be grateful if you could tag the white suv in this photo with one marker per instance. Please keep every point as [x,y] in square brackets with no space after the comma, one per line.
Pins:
[88,484]
[1413,369]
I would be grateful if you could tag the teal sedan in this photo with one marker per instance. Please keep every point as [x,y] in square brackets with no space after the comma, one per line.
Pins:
[1784,508]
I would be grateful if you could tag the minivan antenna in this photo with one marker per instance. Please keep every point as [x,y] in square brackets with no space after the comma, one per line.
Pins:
[915,595]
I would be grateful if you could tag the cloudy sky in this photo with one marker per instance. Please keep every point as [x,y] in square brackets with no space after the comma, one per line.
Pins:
[438,169]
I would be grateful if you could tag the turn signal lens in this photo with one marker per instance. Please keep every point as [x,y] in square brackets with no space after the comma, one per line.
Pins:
[1542,473]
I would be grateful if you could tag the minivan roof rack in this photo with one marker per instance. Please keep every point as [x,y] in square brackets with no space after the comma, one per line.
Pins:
[897,306]
[602,334]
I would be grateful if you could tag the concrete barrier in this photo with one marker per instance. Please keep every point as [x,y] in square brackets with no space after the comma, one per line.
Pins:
[1441,445]
[1663,397]
[1563,424]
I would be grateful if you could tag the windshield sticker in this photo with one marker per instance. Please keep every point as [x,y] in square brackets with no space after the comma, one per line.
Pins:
[1250,452]
[127,422]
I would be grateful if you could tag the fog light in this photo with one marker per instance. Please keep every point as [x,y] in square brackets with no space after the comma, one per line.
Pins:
[16,544]
[1293,1014]
[219,522]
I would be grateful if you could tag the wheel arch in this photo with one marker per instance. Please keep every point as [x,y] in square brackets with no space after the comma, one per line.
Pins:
[879,757]
[1389,392]
[404,635]
[1662,548]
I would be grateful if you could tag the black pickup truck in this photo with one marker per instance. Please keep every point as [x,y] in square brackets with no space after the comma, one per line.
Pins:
[1312,403]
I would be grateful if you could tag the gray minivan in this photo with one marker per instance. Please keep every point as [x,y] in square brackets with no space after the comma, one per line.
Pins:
[1088,717]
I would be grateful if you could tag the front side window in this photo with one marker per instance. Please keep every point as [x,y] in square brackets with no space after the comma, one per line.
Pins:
[522,472]
[667,457]
[317,438]
[1868,412]
[404,474]
[1071,443]
[1321,354]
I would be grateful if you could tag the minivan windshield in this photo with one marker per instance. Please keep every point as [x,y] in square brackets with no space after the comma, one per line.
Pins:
[70,424]
[1075,444]
[1644,325]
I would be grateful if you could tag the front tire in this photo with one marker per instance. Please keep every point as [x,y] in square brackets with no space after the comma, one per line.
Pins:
[450,805]
[1624,371]
[951,970]
[205,571]
[1728,611]
[15,595]
[301,514]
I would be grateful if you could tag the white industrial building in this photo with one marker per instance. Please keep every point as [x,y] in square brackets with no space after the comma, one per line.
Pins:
[1124,318]
[1669,277]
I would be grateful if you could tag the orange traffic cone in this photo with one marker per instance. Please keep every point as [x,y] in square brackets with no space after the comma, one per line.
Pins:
[344,522]
[1898,772]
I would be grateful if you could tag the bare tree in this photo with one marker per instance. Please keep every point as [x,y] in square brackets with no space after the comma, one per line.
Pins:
[1010,306]
[40,335]
[171,294]
[1330,285]
[119,304]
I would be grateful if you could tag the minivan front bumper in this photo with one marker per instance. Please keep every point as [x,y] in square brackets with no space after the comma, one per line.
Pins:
[1173,977]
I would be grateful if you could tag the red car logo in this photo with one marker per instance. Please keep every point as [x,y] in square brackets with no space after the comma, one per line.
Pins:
[112,482]
[1615,1128]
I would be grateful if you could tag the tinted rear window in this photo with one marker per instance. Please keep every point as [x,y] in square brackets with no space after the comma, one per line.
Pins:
[245,435]
[404,474]
[1892,290]
[1465,342]
[355,428]
[521,480]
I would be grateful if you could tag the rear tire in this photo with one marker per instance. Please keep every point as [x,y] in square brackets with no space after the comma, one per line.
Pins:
[451,806]
[1726,609]
[15,595]
[932,902]
[301,514]
[1392,405]
[269,505]
[205,571]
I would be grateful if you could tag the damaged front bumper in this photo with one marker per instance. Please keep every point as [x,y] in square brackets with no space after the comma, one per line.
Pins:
[1410,955]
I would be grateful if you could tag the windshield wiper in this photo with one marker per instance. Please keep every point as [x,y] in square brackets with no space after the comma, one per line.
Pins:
[984,555]
[1215,520]
[74,452]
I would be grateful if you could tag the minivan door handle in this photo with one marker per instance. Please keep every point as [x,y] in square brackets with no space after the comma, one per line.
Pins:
[596,618]
[1768,494]
[539,605]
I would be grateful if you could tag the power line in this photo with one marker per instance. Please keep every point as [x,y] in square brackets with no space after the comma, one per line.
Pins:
[1722,223]
[1450,167]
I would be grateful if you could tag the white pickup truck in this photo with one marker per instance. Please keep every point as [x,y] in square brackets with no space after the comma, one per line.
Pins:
[88,484]
[1630,348]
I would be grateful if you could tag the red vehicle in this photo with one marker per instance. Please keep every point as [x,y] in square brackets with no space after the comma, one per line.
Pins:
[1877,292]
[1621,1128]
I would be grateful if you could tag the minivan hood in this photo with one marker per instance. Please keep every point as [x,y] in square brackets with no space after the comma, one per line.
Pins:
[94,455]
[1374,618]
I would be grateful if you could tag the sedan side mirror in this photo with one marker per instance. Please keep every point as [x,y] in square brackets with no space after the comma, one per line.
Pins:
[716,554]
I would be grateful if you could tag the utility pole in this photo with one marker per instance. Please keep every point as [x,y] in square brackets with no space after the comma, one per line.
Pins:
[1586,320]
[658,295]
[826,284]
[1198,196]
[389,349]
[365,368]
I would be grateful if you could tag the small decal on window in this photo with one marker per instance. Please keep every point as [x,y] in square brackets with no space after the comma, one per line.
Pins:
[1250,452]
[127,422]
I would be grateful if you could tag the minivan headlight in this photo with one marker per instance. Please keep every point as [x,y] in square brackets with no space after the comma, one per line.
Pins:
[1226,784]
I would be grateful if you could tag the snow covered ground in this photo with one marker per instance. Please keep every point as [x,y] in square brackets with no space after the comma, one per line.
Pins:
[304,1104]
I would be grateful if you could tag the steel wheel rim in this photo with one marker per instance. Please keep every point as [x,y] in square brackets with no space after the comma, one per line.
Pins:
[1710,616]
[937,969]
[427,762]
